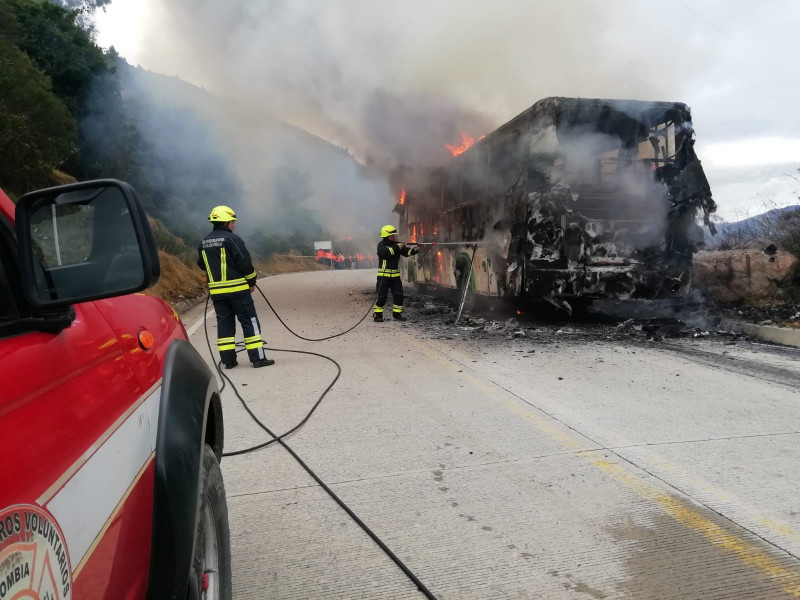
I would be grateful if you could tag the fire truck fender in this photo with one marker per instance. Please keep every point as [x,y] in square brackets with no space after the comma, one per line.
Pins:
[190,416]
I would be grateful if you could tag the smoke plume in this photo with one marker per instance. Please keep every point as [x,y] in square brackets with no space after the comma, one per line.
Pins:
[390,84]
[394,82]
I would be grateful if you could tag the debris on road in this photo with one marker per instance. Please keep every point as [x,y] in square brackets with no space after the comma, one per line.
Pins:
[437,316]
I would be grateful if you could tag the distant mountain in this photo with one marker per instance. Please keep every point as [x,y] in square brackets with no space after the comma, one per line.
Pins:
[763,225]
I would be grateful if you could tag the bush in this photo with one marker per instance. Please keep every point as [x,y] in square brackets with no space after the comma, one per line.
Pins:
[764,222]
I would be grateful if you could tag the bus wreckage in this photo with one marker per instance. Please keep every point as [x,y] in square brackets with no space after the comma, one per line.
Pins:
[572,199]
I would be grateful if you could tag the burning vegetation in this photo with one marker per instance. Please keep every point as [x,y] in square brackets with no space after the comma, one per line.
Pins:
[572,198]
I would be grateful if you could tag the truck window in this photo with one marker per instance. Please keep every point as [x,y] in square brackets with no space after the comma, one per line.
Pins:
[86,244]
[61,235]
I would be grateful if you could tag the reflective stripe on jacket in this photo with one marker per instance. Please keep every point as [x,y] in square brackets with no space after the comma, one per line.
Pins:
[389,258]
[226,261]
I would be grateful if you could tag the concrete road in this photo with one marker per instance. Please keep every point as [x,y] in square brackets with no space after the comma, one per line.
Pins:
[557,465]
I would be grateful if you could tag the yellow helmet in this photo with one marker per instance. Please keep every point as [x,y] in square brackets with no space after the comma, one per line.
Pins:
[222,214]
[388,230]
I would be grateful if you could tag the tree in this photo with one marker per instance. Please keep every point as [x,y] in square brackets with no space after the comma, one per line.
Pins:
[84,10]
[109,140]
[57,45]
[168,154]
[83,5]
[37,133]
[764,221]
[53,75]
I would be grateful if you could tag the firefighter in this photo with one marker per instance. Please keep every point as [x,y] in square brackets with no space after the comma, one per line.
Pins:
[231,281]
[389,253]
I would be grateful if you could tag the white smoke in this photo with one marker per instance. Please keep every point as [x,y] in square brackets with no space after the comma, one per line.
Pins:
[322,65]
[395,81]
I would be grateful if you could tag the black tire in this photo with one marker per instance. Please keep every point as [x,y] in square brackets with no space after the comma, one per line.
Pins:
[212,497]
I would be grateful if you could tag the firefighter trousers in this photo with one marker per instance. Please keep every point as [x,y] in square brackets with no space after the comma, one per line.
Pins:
[228,310]
[384,285]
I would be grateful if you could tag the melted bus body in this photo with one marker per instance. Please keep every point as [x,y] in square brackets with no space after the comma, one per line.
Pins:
[573,198]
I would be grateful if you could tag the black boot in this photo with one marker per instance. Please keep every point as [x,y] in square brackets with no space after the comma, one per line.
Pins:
[378,317]
[264,362]
[399,317]
[231,365]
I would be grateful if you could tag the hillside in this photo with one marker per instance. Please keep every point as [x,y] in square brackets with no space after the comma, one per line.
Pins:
[74,111]
[292,183]
[779,225]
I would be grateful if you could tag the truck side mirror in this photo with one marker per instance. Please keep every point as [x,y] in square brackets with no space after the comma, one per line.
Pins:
[84,241]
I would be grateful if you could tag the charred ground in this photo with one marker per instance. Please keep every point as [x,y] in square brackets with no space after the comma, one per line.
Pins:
[631,322]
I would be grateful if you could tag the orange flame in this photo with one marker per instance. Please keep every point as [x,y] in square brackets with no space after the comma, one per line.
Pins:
[414,234]
[402,200]
[466,143]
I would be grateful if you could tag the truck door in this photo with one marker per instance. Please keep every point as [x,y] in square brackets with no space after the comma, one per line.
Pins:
[76,451]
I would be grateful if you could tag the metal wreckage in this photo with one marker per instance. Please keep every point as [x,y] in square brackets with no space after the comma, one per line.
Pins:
[572,199]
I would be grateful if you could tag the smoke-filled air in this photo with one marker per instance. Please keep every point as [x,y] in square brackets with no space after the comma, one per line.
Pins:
[393,84]
[388,85]
[311,117]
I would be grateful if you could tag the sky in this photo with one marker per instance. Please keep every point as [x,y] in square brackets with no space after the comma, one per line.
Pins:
[380,78]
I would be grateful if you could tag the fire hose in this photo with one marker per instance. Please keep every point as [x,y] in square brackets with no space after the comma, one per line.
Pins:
[280,438]
[444,243]
[465,289]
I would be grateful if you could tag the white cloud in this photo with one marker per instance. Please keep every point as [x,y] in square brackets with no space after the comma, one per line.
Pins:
[751,152]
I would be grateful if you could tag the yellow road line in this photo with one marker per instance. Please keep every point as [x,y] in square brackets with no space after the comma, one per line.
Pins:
[684,514]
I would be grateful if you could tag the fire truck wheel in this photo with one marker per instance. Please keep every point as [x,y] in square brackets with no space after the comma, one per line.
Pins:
[211,565]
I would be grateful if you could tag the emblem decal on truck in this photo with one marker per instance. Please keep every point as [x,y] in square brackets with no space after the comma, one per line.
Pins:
[34,562]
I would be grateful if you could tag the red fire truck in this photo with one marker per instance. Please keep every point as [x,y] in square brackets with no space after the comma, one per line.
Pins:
[111,422]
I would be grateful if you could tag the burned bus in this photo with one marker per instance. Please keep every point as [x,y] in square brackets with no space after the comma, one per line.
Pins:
[572,199]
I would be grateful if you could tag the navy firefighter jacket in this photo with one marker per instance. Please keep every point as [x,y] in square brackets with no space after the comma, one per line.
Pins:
[227,264]
[389,254]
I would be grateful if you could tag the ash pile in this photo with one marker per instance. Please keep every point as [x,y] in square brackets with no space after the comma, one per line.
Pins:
[436,317]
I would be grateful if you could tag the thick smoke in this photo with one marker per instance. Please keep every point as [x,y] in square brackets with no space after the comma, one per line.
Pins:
[202,150]
[637,195]
[392,83]
[396,81]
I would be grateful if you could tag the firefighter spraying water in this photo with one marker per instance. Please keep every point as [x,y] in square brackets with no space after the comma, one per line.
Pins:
[389,253]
